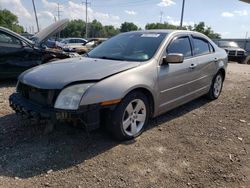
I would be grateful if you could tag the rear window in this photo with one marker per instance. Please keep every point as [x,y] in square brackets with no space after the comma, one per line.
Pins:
[201,46]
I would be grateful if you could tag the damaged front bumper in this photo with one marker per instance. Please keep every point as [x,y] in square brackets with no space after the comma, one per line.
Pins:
[87,115]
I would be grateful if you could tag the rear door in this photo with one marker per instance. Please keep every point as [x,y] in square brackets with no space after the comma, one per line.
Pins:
[205,58]
[177,82]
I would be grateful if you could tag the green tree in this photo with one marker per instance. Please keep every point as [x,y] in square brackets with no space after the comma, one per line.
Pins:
[10,20]
[164,25]
[128,26]
[206,30]
[96,29]
[75,28]
[109,31]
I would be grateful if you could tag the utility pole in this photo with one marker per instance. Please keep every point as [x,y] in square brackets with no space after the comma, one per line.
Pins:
[35,15]
[161,17]
[58,11]
[58,16]
[86,21]
[182,13]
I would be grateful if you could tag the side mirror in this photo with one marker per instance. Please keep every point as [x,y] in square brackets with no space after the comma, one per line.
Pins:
[23,44]
[173,58]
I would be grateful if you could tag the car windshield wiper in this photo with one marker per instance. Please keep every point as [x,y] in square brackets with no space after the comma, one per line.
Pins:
[111,58]
[86,54]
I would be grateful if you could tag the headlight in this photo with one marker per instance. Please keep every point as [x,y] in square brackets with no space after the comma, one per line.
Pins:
[70,97]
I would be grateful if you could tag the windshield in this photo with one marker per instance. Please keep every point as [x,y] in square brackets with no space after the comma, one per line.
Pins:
[129,47]
[227,44]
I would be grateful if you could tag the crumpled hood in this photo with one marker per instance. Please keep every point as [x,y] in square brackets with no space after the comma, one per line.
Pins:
[49,31]
[58,74]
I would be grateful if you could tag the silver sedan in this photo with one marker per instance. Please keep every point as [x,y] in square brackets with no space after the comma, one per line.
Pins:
[125,81]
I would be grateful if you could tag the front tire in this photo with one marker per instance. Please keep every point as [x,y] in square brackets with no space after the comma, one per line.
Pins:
[130,117]
[216,87]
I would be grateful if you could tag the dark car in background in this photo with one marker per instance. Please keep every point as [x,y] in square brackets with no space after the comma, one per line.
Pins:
[235,53]
[18,53]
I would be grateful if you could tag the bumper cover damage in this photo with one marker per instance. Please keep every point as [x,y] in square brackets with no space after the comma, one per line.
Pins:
[87,115]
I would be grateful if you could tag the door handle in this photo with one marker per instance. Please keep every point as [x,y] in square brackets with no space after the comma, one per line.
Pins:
[193,66]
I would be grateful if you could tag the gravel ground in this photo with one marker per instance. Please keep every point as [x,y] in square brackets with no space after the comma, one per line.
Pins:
[200,144]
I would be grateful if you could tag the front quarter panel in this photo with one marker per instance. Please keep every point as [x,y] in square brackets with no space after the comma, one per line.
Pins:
[119,85]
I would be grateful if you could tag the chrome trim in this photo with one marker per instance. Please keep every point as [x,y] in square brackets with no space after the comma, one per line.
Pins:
[185,84]
[179,98]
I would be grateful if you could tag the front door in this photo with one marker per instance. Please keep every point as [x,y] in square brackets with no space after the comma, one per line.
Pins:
[177,81]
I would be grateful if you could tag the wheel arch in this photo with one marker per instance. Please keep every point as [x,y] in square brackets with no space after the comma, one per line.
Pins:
[149,96]
[223,72]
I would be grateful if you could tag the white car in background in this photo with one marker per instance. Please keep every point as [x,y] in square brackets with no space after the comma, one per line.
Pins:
[71,41]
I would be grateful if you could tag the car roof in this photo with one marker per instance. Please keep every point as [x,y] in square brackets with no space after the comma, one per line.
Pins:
[172,31]
[168,31]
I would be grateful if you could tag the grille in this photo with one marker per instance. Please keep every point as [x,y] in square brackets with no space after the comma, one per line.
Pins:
[43,97]
[232,52]
[240,53]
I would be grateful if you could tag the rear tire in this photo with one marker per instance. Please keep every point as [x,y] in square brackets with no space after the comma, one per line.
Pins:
[216,87]
[130,117]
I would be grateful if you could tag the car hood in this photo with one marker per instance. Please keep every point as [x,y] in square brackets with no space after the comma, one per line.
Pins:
[49,31]
[58,74]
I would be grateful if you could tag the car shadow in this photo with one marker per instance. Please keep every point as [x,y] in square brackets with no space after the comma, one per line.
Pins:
[8,83]
[26,152]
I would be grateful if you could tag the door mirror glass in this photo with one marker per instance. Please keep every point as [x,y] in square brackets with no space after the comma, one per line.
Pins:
[173,58]
[24,44]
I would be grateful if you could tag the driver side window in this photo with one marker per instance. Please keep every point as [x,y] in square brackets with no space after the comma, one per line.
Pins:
[180,45]
[8,40]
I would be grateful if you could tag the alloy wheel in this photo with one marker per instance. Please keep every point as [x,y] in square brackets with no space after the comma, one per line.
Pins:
[217,85]
[134,117]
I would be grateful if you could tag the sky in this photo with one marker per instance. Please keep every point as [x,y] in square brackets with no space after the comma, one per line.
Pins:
[230,18]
